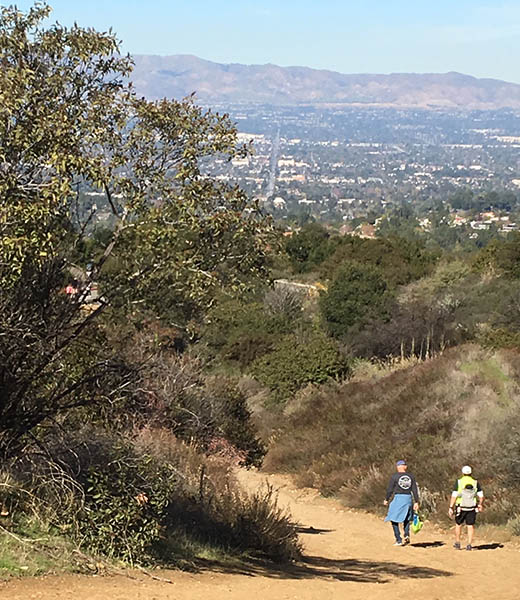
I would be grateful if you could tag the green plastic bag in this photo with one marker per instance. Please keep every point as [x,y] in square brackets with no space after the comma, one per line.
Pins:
[417,524]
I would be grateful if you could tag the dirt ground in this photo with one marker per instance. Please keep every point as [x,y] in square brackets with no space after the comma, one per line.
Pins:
[348,554]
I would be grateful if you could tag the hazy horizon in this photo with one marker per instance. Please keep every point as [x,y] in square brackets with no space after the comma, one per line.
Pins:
[480,38]
[324,68]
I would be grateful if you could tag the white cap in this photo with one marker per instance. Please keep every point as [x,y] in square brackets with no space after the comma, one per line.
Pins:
[466,470]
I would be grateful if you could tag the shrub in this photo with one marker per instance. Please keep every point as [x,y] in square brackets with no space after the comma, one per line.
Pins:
[175,393]
[296,362]
[462,407]
[514,525]
[125,505]
[134,499]
[357,292]
[238,333]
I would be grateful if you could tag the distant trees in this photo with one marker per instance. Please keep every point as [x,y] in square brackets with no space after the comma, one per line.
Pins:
[467,199]
[400,260]
[500,257]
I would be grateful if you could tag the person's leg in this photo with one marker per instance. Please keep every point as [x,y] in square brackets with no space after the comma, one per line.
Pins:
[470,518]
[406,525]
[460,519]
[470,534]
[457,535]
[397,533]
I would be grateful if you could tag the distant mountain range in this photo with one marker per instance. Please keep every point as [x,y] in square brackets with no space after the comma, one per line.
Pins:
[180,75]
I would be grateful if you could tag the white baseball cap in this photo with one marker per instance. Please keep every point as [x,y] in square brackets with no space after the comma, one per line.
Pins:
[466,470]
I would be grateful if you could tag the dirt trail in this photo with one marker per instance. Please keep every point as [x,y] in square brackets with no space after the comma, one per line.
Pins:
[348,555]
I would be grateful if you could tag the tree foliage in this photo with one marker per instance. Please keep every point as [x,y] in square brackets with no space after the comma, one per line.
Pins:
[309,247]
[357,293]
[70,121]
[399,260]
[500,257]
[300,360]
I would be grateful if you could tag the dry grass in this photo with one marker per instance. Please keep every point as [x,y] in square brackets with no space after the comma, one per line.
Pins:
[462,407]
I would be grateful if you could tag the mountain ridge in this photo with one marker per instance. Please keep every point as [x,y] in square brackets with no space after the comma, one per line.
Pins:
[180,75]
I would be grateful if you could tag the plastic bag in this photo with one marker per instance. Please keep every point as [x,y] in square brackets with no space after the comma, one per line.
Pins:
[417,524]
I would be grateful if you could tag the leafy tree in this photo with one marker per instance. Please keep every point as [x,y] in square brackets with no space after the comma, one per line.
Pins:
[70,120]
[297,361]
[357,292]
[400,260]
[401,222]
[308,247]
[500,258]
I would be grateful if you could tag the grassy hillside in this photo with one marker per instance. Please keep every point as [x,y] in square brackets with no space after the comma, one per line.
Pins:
[462,407]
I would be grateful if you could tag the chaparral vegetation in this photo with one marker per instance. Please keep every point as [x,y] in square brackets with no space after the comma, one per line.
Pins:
[158,331]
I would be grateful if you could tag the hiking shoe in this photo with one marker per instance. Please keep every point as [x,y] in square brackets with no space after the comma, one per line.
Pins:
[469,547]
[398,543]
[456,545]
[406,541]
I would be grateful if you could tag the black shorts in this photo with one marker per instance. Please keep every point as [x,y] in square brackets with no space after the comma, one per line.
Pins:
[466,516]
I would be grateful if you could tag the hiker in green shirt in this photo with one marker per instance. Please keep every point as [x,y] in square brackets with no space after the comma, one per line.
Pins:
[467,499]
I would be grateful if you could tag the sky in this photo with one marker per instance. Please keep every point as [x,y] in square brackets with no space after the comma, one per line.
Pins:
[475,37]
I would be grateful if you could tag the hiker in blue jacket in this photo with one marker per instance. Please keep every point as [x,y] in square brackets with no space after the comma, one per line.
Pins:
[403,487]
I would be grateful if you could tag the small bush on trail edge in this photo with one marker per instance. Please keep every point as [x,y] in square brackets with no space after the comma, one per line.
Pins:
[514,525]
[133,499]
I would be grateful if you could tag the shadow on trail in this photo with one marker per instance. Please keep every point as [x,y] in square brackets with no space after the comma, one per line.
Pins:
[317,567]
[436,544]
[493,546]
[312,530]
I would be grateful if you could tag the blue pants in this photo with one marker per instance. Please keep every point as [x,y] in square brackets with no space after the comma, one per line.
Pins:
[406,526]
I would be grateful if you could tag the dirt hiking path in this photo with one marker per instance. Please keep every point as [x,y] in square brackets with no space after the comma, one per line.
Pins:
[347,555]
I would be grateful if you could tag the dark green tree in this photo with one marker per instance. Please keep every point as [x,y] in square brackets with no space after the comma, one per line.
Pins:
[398,259]
[357,292]
[308,247]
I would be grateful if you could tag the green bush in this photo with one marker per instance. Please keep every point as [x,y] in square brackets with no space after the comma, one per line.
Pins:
[357,292]
[298,361]
[125,506]
[238,332]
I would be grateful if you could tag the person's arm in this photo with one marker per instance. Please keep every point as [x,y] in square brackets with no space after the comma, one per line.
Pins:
[480,496]
[389,489]
[454,495]
[415,494]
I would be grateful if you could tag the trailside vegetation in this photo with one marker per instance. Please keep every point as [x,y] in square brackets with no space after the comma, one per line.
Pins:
[157,338]
[98,313]
[459,408]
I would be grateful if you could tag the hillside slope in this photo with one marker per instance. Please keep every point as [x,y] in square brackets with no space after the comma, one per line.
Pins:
[460,408]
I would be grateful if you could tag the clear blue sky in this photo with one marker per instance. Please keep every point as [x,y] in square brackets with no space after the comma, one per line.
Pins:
[477,37]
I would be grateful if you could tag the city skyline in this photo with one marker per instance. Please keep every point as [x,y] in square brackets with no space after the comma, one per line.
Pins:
[479,38]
